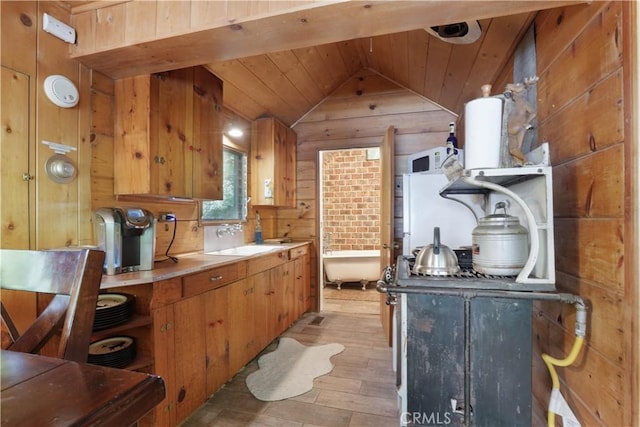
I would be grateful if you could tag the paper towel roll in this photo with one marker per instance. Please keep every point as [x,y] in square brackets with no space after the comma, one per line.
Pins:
[482,133]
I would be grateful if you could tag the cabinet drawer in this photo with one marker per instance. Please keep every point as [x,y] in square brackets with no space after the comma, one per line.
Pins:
[211,279]
[266,262]
[298,252]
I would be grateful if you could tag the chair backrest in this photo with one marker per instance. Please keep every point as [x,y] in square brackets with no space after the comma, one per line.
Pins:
[73,278]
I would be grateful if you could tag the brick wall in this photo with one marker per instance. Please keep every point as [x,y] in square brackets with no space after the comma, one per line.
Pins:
[351,200]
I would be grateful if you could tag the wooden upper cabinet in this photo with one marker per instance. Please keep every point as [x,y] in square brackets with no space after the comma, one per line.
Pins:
[168,138]
[273,163]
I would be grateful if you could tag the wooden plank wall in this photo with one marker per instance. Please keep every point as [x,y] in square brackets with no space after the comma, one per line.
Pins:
[357,115]
[581,114]
[30,52]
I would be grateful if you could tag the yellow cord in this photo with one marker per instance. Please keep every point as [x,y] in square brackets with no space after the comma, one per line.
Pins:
[550,362]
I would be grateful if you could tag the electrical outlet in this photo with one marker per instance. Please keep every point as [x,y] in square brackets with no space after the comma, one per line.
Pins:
[59,29]
[166,216]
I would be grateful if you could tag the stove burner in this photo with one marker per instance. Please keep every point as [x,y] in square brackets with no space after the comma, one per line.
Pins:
[466,272]
[462,274]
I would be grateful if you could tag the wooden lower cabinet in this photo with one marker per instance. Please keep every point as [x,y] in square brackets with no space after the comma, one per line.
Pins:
[164,366]
[241,305]
[180,358]
[264,328]
[301,274]
[199,341]
[217,321]
[190,355]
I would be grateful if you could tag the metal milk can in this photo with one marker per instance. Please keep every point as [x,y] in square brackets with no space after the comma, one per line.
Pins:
[499,244]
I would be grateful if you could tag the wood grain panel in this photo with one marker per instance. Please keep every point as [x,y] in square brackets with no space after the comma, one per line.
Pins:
[418,45]
[102,107]
[350,53]
[333,62]
[268,72]
[313,63]
[133,96]
[371,105]
[558,28]
[592,250]
[14,160]
[172,17]
[138,12]
[205,13]
[109,24]
[415,122]
[102,158]
[579,65]
[255,88]
[591,122]
[59,201]
[592,186]
[19,30]
[101,83]
[437,60]
[85,214]
[297,74]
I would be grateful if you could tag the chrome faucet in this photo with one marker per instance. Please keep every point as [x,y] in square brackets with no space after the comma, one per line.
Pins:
[228,229]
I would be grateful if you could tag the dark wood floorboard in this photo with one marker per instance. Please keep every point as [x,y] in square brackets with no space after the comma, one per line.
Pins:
[359,392]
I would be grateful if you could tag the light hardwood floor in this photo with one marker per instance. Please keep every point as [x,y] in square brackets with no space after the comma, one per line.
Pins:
[359,392]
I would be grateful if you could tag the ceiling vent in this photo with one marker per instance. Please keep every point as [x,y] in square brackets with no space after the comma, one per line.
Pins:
[459,33]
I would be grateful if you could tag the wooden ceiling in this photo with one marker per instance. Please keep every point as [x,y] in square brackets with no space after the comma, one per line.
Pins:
[285,73]
[290,83]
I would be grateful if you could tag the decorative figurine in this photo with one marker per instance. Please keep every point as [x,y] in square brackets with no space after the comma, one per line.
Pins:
[520,118]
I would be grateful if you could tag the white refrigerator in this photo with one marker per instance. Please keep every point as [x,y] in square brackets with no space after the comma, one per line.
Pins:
[424,209]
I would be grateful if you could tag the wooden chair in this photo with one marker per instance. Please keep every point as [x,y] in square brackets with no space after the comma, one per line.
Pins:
[72,277]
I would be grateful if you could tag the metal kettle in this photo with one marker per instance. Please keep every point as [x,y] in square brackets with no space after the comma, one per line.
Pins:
[500,244]
[436,259]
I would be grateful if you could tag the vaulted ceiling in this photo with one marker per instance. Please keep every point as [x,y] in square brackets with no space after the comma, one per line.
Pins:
[271,67]
[287,84]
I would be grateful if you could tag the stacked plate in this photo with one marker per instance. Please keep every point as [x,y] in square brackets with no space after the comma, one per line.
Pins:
[113,309]
[114,352]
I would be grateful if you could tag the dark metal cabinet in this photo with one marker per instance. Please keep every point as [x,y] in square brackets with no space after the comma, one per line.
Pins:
[468,358]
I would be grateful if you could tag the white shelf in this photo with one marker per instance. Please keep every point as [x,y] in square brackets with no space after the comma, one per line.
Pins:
[529,191]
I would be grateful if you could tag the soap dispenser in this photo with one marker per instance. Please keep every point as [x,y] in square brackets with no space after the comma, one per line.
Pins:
[258,230]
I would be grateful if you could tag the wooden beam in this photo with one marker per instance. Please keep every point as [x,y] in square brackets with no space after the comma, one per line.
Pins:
[307,24]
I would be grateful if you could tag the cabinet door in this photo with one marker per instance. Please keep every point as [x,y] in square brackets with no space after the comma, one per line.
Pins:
[190,355]
[301,293]
[168,138]
[264,328]
[171,118]
[207,129]
[242,343]
[273,159]
[217,324]
[435,357]
[500,349]
[164,364]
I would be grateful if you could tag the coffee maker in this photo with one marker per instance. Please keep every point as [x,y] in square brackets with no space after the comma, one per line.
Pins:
[127,235]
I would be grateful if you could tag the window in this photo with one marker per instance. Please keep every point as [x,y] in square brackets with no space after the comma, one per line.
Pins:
[233,205]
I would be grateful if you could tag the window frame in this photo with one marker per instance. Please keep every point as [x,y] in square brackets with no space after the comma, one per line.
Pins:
[227,146]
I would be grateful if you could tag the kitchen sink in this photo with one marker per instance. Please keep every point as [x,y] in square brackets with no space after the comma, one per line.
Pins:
[246,250]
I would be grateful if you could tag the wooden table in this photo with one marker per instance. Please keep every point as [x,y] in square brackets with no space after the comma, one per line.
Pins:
[44,391]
